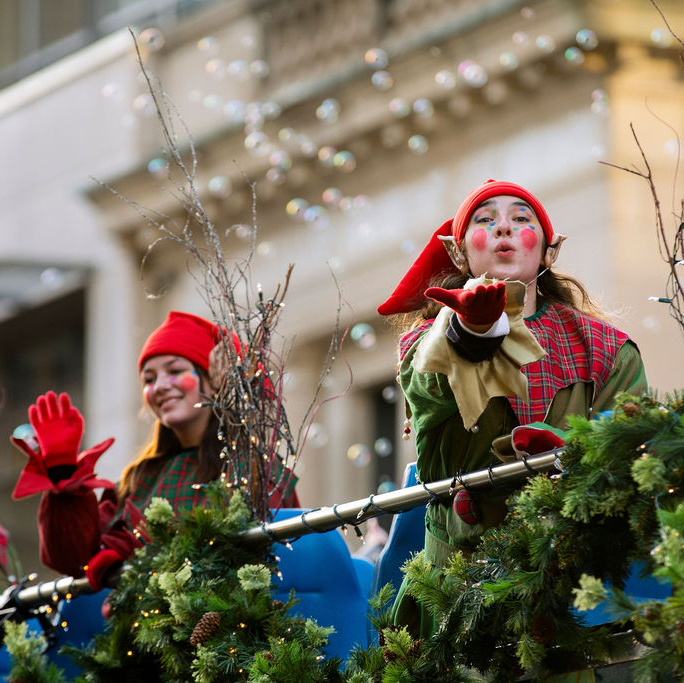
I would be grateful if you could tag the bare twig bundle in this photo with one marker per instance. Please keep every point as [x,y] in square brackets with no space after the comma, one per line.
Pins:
[246,371]
[672,252]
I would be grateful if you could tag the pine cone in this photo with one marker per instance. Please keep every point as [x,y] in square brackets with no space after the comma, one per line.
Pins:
[543,629]
[205,628]
[630,408]
[277,604]
[414,650]
[388,655]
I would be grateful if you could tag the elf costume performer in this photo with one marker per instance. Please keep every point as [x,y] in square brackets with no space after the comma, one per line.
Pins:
[500,350]
[80,534]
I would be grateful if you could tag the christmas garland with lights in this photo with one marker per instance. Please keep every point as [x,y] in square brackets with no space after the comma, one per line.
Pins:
[196,604]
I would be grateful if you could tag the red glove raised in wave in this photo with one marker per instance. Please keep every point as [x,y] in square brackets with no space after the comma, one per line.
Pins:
[482,305]
[59,429]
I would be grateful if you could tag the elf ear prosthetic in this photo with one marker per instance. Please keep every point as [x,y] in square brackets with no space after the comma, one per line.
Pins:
[456,254]
[552,250]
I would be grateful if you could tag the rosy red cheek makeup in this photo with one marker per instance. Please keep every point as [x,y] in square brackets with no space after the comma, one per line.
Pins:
[188,381]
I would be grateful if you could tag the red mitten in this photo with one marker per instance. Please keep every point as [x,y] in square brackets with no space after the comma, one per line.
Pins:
[58,427]
[99,565]
[534,440]
[482,305]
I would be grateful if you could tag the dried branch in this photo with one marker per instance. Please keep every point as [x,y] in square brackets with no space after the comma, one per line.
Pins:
[246,371]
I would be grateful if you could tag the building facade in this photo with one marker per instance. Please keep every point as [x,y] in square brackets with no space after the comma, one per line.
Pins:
[358,127]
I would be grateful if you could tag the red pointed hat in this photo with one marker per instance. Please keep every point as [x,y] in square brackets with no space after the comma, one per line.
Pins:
[182,334]
[434,259]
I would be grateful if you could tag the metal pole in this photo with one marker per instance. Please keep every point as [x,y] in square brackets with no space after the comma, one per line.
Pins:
[324,519]
[327,518]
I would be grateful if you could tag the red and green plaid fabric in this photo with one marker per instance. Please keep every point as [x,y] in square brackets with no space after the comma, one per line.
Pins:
[578,348]
[172,478]
[407,341]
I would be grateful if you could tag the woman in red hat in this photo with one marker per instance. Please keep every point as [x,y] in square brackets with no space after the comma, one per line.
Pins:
[499,350]
[78,533]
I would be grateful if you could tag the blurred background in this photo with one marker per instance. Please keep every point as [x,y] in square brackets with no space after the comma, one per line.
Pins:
[363,124]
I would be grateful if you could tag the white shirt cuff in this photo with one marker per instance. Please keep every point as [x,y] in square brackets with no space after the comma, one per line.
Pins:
[500,328]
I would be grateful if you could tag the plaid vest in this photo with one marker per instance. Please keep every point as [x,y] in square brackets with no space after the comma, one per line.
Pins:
[578,348]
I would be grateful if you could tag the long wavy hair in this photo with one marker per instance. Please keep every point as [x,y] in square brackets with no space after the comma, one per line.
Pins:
[164,442]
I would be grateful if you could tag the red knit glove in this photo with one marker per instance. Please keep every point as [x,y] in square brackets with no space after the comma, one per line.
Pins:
[533,441]
[482,305]
[58,427]
[100,566]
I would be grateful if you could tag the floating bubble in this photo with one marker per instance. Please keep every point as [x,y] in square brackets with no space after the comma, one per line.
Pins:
[359,454]
[317,217]
[328,111]
[661,37]
[296,208]
[287,134]
[326,155]
[473,73]
[527,13]
[586,39]
[574,55]
[418,144]
[158,167]
[152,38]
[337,265]
[346,203]
[52,278]
[332,196]
[235,110]
[211,101]
[344,161]
[363,335]
[545,43]
[445,79]
[387,487]
[220,186]
[408,247]
[423,108]
[216,68]
[382,80]
[520,38]
[265,249]
[672,147]
[508,61]
[317,435]
[239,69]
[276,176]
[258,144]
[307,146]
[247,40]
[259,68]
[383,447]
[243,232]
[281,159]
[376,58]
[390,394]
[270,110]
[400,107]
[109,90]
[208,45]
[361,201]
[144,104]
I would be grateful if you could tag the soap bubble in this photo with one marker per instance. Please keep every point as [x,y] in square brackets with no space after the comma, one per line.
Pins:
[208,45]
[586,39]
[376,58]
[317,435]
[326,155]
[400,107]
[383,447]
[317,217]
[574,55]
[382,80]
[424,108]
[258,144]
[219,186]
[391,394]
[296,208]
[545,43]
[418,144]
[445,79]
[152,38]
[158,167]
[332,196]
[508,61]
[359,454]
[344,161]
[363,336]
[328,111]
[259,68]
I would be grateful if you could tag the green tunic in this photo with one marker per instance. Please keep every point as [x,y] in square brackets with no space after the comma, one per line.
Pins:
[444,447]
